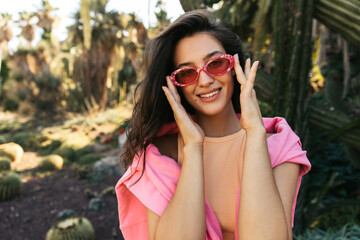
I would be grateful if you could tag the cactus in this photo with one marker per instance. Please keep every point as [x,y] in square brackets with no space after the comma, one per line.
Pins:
[51,163]
[109,191]
[67,153]
[82,172]
[5,164]
[12,151]
[10,185]
[71,228]
[342,17]
[321,117]
[96,204]
[65,214]
[89,159]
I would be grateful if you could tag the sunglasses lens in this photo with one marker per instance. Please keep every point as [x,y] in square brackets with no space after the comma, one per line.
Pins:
[218,66]
[185,76]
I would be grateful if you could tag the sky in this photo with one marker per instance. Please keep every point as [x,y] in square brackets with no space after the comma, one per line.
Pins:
[68,7]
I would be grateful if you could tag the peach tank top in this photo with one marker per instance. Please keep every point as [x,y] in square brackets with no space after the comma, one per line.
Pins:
[223,160]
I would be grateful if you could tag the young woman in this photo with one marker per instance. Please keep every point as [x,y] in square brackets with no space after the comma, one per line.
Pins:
[196,168]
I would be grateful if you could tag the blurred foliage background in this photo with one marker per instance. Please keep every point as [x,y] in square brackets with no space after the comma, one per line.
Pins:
[309,74]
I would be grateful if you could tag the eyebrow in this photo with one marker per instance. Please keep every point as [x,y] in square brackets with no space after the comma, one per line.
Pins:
[204,58]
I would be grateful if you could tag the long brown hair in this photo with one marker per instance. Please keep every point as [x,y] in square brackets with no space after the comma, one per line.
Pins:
[152,109]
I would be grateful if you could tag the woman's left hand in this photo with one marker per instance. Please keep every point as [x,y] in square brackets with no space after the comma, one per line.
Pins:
[251,118]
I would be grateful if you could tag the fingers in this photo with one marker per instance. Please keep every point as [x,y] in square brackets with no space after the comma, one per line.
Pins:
[252,74]
[247,67]
[174,100]
[170,97]
[240,75]
[172,89]
[247,78]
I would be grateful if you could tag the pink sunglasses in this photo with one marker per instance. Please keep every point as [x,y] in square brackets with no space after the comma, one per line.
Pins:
[215,67]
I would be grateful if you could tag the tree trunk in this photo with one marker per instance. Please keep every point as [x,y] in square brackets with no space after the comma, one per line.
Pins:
[97,61]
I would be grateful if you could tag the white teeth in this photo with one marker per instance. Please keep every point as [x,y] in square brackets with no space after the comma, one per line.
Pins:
[210,94]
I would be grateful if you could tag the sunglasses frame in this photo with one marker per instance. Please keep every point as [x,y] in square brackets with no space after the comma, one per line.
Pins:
[203,68]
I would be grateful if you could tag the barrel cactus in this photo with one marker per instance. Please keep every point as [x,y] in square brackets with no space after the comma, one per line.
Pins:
[51,163]
[71,228]
[11,150]
[5,164]
[10,185]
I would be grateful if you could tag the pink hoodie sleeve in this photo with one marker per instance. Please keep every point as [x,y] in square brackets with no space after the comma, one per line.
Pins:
[285,146]
[153,190]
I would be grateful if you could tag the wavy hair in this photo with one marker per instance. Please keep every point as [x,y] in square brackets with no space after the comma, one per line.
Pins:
[152,110]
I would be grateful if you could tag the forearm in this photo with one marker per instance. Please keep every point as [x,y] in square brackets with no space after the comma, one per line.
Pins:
[261,213]
[184,217]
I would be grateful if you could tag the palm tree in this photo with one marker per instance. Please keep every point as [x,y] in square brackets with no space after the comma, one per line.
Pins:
[45,20]
[27,29]
[97,33]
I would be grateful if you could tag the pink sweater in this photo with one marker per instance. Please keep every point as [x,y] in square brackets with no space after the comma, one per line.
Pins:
[156,187]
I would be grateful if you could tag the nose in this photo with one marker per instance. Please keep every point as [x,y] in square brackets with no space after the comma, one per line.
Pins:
[204,79]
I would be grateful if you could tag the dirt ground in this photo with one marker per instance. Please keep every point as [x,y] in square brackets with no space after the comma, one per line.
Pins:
[31,215]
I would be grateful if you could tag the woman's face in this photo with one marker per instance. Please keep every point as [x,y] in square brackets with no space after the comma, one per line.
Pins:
[209,95]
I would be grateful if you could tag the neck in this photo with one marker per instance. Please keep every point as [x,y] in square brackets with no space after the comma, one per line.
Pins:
[219,125]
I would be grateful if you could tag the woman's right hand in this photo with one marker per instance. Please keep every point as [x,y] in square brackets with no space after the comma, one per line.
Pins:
[191,132]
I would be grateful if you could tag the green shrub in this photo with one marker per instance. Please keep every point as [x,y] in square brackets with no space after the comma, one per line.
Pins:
[6,127]
[336,218]
[10,185]
[82,152]
[28,140]
[71,228]
[348,232]
[89,159]
[10,105]
[330,184]
[50,147]
[3,140]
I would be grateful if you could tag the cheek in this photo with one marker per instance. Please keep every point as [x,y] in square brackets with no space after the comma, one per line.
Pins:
[188,93]
[230,83]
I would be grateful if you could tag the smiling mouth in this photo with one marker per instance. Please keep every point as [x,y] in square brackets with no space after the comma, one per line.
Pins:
[209,94]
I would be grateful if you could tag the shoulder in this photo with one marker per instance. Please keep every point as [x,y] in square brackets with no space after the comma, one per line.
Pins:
[167,145]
